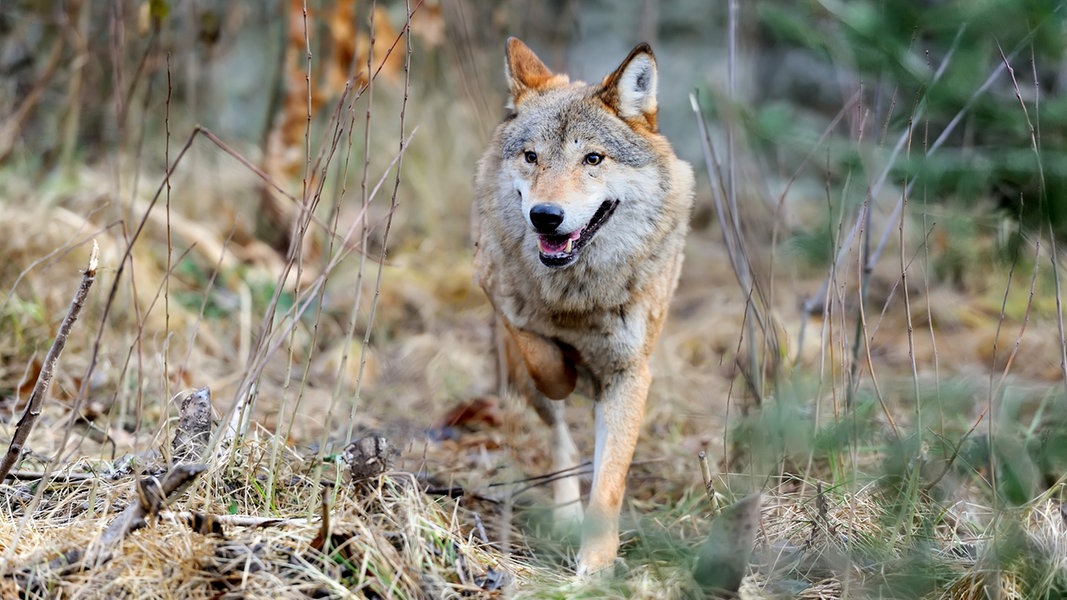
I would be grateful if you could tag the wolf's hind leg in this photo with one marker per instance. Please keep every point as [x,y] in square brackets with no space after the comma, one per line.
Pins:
[566,490]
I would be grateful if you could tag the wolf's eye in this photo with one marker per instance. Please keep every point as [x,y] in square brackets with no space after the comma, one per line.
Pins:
[531,156]
[593,159]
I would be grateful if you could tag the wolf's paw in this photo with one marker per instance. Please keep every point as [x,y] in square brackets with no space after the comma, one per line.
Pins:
[597,556]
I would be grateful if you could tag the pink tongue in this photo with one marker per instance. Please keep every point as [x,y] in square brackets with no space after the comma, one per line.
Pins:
[554,244]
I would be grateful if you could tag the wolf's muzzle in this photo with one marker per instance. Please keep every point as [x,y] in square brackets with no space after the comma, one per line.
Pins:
[546,217]
[562,250]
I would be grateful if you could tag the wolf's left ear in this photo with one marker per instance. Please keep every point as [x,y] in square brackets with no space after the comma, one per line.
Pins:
[631,88]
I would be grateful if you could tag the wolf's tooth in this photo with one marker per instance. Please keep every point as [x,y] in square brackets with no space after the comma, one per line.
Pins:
[570,244]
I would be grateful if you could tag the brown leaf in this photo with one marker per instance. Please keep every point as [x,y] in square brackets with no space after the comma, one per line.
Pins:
[483,411]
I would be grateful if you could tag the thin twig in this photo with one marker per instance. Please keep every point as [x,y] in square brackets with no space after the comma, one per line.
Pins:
[906,293]
[709,485]
[361,269]
[44,378]
[776,221]
[57,477]
[941,139]
[819,298]
[394,203]
[322,539]
[1035,146]
[269,343]
[139,413]
[235,520]
[733,239]
[864,278]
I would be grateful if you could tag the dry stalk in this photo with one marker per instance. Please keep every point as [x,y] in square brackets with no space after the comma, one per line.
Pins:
[60,477]
[323,541]
[388,219]
[756,301]
[188,517]
[270,341]
[44,378]
[813,303]
[709,485]
[237,424]
[1035,146]
[906,293]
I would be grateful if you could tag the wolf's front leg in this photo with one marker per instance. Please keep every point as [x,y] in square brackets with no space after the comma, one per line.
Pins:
[619,411]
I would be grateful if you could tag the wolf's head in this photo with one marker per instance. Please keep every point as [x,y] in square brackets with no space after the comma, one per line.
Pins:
[580,158]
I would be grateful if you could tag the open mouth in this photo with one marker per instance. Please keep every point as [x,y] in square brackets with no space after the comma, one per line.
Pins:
[562,250]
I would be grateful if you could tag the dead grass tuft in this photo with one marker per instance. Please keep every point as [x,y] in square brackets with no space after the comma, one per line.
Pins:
[386,538]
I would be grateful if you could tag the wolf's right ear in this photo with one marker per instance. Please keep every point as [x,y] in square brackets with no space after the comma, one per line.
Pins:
[631,89]
[525,72]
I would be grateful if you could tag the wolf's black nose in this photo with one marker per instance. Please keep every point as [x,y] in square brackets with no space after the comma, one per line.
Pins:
[546,217]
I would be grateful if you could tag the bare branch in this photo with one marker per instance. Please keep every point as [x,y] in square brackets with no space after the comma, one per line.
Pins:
[44,378]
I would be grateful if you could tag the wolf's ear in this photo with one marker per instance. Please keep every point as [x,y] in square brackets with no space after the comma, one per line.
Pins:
[631,89]
[525,72]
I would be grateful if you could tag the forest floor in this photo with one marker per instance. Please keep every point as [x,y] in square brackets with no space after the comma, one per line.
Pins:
[460,508]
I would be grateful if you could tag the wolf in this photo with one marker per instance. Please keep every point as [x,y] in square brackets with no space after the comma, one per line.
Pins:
[579,219]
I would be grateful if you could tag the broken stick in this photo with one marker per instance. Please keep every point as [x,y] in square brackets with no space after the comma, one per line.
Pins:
[44,378]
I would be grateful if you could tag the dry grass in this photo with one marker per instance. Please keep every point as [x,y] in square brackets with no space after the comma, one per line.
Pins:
[387,538]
